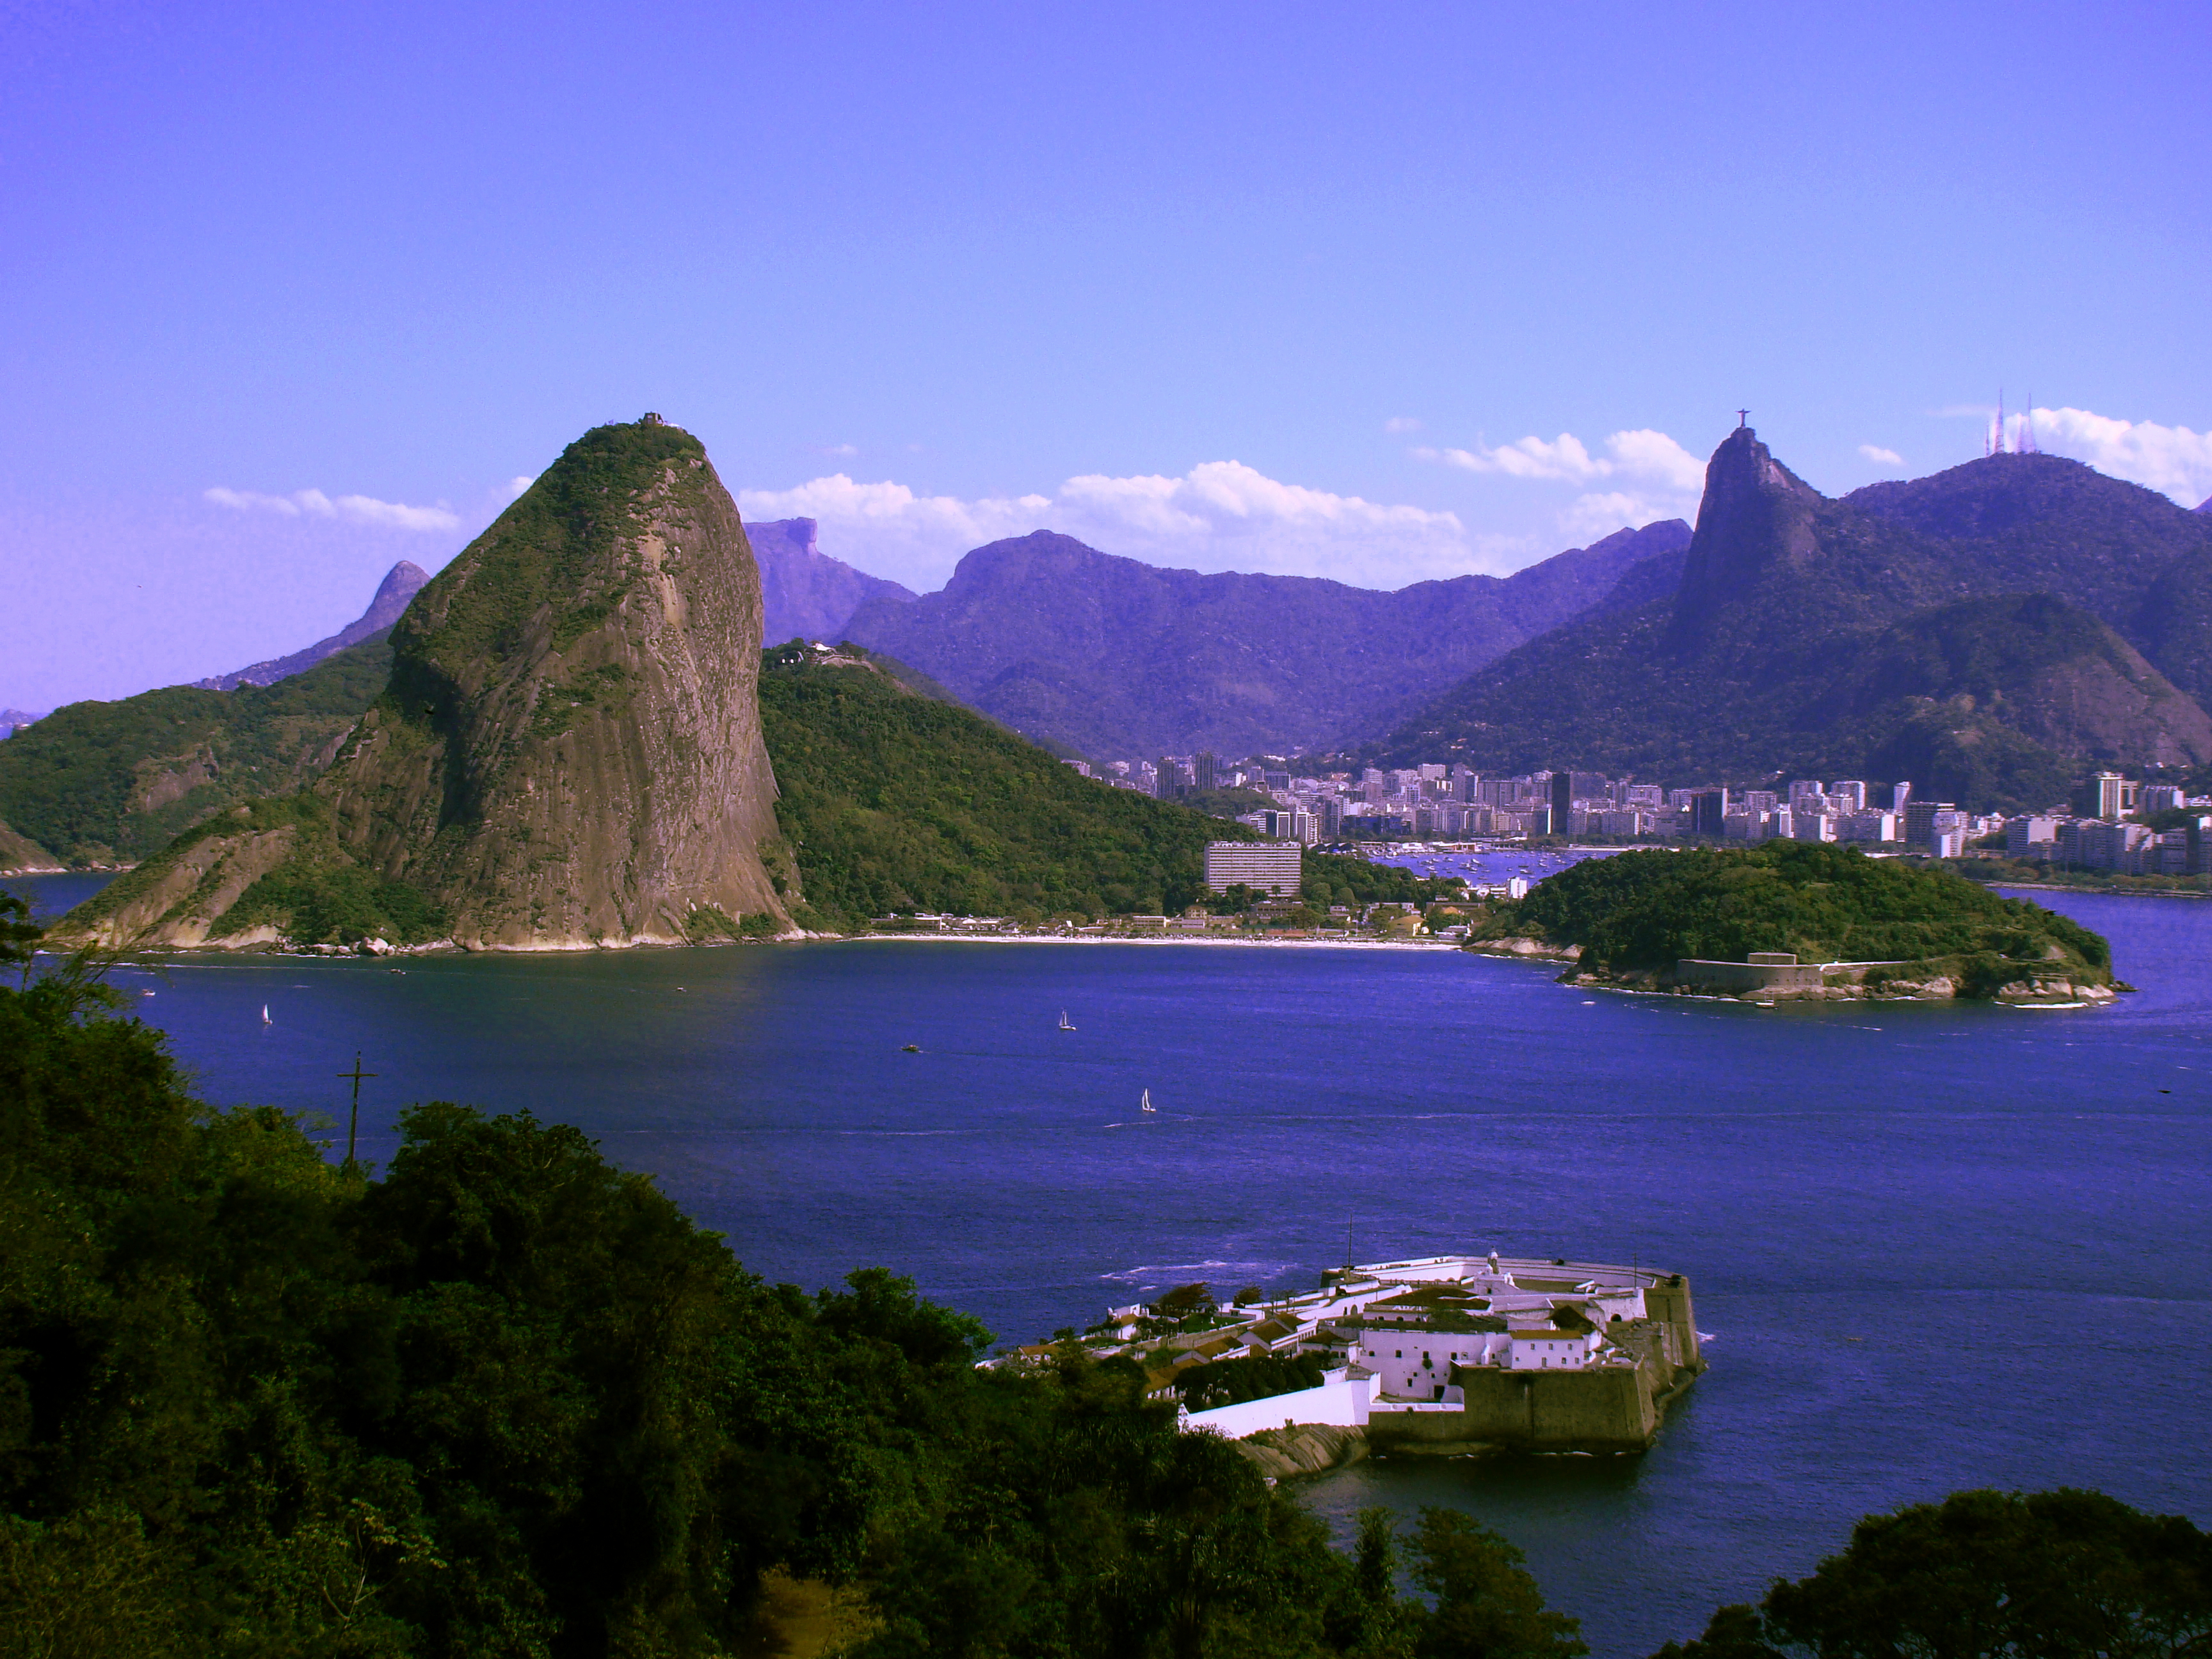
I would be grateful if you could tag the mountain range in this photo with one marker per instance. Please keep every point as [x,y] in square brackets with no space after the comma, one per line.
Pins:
[1986,632]
[401,583]
[1114,658]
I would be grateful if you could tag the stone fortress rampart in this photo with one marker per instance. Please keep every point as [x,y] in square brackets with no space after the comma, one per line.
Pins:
[1436,1353]
[1638,1346]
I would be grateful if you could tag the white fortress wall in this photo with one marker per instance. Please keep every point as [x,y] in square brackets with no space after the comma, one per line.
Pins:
[1342,1402]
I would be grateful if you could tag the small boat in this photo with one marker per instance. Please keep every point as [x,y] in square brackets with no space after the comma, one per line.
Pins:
[911,1048]
[264,1013]
[1145,1104]
[1064,1026]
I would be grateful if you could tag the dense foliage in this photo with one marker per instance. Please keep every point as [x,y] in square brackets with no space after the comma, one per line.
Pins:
[507,1400]
[1255,1377]
[101,782]
[542,552]
[1645,910]
[896,802]
[318,894]
[1986,1574]
[1338,879]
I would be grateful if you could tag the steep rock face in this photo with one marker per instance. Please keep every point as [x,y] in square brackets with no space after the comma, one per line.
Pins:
[401,583]
[805,594]
[1118,658]
[181,900]
[569,752]
[1754,521]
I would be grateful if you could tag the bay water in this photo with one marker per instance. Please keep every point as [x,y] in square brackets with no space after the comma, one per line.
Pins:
[1934,1246]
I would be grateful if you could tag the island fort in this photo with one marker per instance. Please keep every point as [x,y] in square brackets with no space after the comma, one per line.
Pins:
[1441,1353]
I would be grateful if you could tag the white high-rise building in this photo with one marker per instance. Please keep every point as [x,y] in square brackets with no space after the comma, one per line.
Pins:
[1271,867]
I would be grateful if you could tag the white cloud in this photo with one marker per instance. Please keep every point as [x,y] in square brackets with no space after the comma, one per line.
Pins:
[1651,475]
[1598,513]
[356,509]
[365,509]
[516,487]
[1651,457]
[2171,459]
[1221,515]
[1400,423]
[1884,457]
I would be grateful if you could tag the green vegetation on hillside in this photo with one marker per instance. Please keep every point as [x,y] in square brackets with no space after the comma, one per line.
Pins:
[1339,878]
[2030,872]
[1646,909]
[114,782]
[897,803]
[317,895]
[1979,633]
[541,551]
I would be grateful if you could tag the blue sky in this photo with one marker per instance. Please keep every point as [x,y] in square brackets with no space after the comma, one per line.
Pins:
[1313,289]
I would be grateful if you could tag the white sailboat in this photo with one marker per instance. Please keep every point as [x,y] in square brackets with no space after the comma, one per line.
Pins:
[1064,1026]
[264,1013]
[1145,1104]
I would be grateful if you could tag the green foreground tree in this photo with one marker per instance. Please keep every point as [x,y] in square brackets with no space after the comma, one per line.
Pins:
[1988,1575]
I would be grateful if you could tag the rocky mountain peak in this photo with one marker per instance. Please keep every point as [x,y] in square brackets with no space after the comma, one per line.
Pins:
[400,585]
[569,752]
[1756,517]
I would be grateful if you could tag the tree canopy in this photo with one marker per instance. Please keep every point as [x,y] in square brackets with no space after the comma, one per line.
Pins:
[1646,909]
[1988,1575]
[897,802]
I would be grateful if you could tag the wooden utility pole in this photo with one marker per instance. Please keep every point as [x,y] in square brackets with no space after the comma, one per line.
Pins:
[353,1123]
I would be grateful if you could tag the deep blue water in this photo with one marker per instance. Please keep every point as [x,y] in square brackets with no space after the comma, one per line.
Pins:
[1936,1247]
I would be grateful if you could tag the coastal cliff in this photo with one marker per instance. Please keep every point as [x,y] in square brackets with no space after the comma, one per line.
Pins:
[567,754]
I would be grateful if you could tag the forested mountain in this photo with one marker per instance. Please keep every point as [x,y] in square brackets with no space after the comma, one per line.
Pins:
[1117,658]
[805,594]
[893,799]
[111,782]
[2046,525]
[1987,633]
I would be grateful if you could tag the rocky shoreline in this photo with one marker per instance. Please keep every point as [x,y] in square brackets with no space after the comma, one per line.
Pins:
[1925,982]
[1312,1448]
